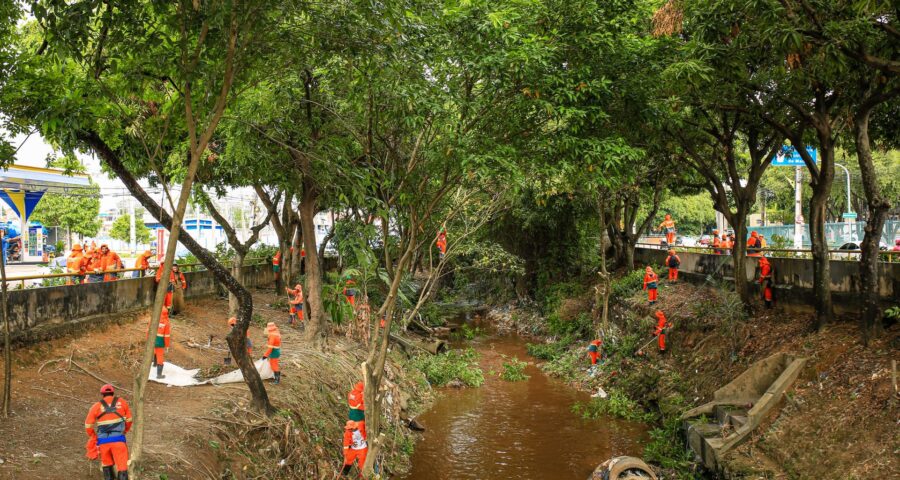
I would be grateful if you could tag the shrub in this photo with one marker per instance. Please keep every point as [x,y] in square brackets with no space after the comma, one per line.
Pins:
[666,449]
[551,297]
[513,369]
[458,365]
[569,365]
[550,351]
[624,286]
[617,404]
[579,327]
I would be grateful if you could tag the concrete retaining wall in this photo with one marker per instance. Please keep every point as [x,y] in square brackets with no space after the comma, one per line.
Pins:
[793,276]
[37,313]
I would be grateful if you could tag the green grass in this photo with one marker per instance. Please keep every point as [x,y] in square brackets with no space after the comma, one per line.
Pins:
[455,365]
[513,370]
[617,404]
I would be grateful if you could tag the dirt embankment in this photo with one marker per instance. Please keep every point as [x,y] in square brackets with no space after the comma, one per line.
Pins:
[838,421]
[196,432]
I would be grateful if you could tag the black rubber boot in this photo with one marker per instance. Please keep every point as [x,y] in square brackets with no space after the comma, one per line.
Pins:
[159,373]
[108,473]
[123,475]
[769,304]
[277,378]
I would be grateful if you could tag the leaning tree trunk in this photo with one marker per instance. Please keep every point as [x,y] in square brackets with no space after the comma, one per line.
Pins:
[238,336]
[879,206]
[317,327]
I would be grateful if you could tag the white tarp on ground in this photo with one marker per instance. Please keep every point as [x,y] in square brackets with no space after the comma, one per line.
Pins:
[179,377]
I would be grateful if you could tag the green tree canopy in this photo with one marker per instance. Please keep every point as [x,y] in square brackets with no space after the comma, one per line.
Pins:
[121,230]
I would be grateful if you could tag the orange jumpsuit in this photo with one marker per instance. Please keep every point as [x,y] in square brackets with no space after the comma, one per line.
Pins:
[143,262]
[75,266]
[668,226]
[93,267]
[442,243]
[273,349]
[716,242]
[163,337]
[357,403]
[106,424]
[276,264]
[753,245]
[296,302]
[355,449]
[673,261]
[662,327]
[650,283]
[109,261]
[594,350]
[350,292]
[765,280]
[170,288]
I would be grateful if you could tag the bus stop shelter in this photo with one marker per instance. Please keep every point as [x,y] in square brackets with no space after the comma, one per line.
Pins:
[22,187]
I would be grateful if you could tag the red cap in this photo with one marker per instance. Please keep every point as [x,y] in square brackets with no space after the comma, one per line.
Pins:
[107,390]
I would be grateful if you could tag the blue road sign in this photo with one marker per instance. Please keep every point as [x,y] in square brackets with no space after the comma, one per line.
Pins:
[789,157]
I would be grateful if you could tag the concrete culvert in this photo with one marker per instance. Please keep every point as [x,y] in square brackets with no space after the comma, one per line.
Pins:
[623,468]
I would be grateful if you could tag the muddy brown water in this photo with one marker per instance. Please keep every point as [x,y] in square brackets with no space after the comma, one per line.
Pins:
[521,430]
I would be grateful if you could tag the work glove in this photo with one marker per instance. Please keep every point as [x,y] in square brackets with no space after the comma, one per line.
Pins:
[92,451]
[264,357]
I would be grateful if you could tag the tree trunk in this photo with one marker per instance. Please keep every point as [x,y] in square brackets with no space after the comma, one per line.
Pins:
[317,326]
[297,258]
[260,399]
[7,348]
[237,269]
[604,274]
[879,206]
[629,246]
[739,254]
[818,211]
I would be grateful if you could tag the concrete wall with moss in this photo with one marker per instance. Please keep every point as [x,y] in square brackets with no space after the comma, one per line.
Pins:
[38,313]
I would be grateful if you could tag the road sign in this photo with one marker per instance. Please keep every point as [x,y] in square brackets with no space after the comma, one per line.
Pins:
[789,157]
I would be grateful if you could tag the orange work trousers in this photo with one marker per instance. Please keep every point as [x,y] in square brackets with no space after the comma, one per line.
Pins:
[350,455]
[273,362]
[670,238]
[594,356]
[168,301]
[662,342]
[673,274]
[651,294]
[115,453]
[158,355]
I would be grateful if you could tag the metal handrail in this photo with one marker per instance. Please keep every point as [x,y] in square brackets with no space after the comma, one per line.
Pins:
[656,246]
[23,278]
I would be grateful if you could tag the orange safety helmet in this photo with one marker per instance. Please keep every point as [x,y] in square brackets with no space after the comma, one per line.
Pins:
[660,314]
[351,425]
[668,217]
[270,327]
[232,322]
[107,390]
[358,387]
[648,269]
[76,247]
[672,252]
[298,287]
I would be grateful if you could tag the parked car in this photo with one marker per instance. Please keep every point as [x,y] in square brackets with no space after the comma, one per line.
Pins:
[686,241]
[705,240]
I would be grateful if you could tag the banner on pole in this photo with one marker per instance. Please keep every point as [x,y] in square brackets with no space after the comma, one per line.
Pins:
[789,157]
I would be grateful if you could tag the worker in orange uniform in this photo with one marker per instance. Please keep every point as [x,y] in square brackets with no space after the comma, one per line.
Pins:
[650,284]
[276,267]
[296,302]
[106,424]
[273,350]
[93,266]
[355,448]
[357,403]
[765,281]
[662,328]
[232,322]
[76,264]
[762,241]
[594,351]
[441,242]
[673,261]
[175,276]
[753,244]
[716,242]
[163,340]
[668,226]
[143,263]
[109,262]
[350,291]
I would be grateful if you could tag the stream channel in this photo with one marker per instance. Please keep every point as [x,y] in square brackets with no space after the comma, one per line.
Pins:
[525,429]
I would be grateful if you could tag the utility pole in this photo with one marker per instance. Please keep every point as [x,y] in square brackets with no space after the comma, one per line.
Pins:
[132,237]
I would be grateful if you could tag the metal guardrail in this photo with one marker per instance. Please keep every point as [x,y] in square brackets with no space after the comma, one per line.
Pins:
[885,256]
[186,268]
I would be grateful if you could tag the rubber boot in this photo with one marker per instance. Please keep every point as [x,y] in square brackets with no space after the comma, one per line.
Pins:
[159,373]
[108,473]
[123,475]
[277,378]
[768,304]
